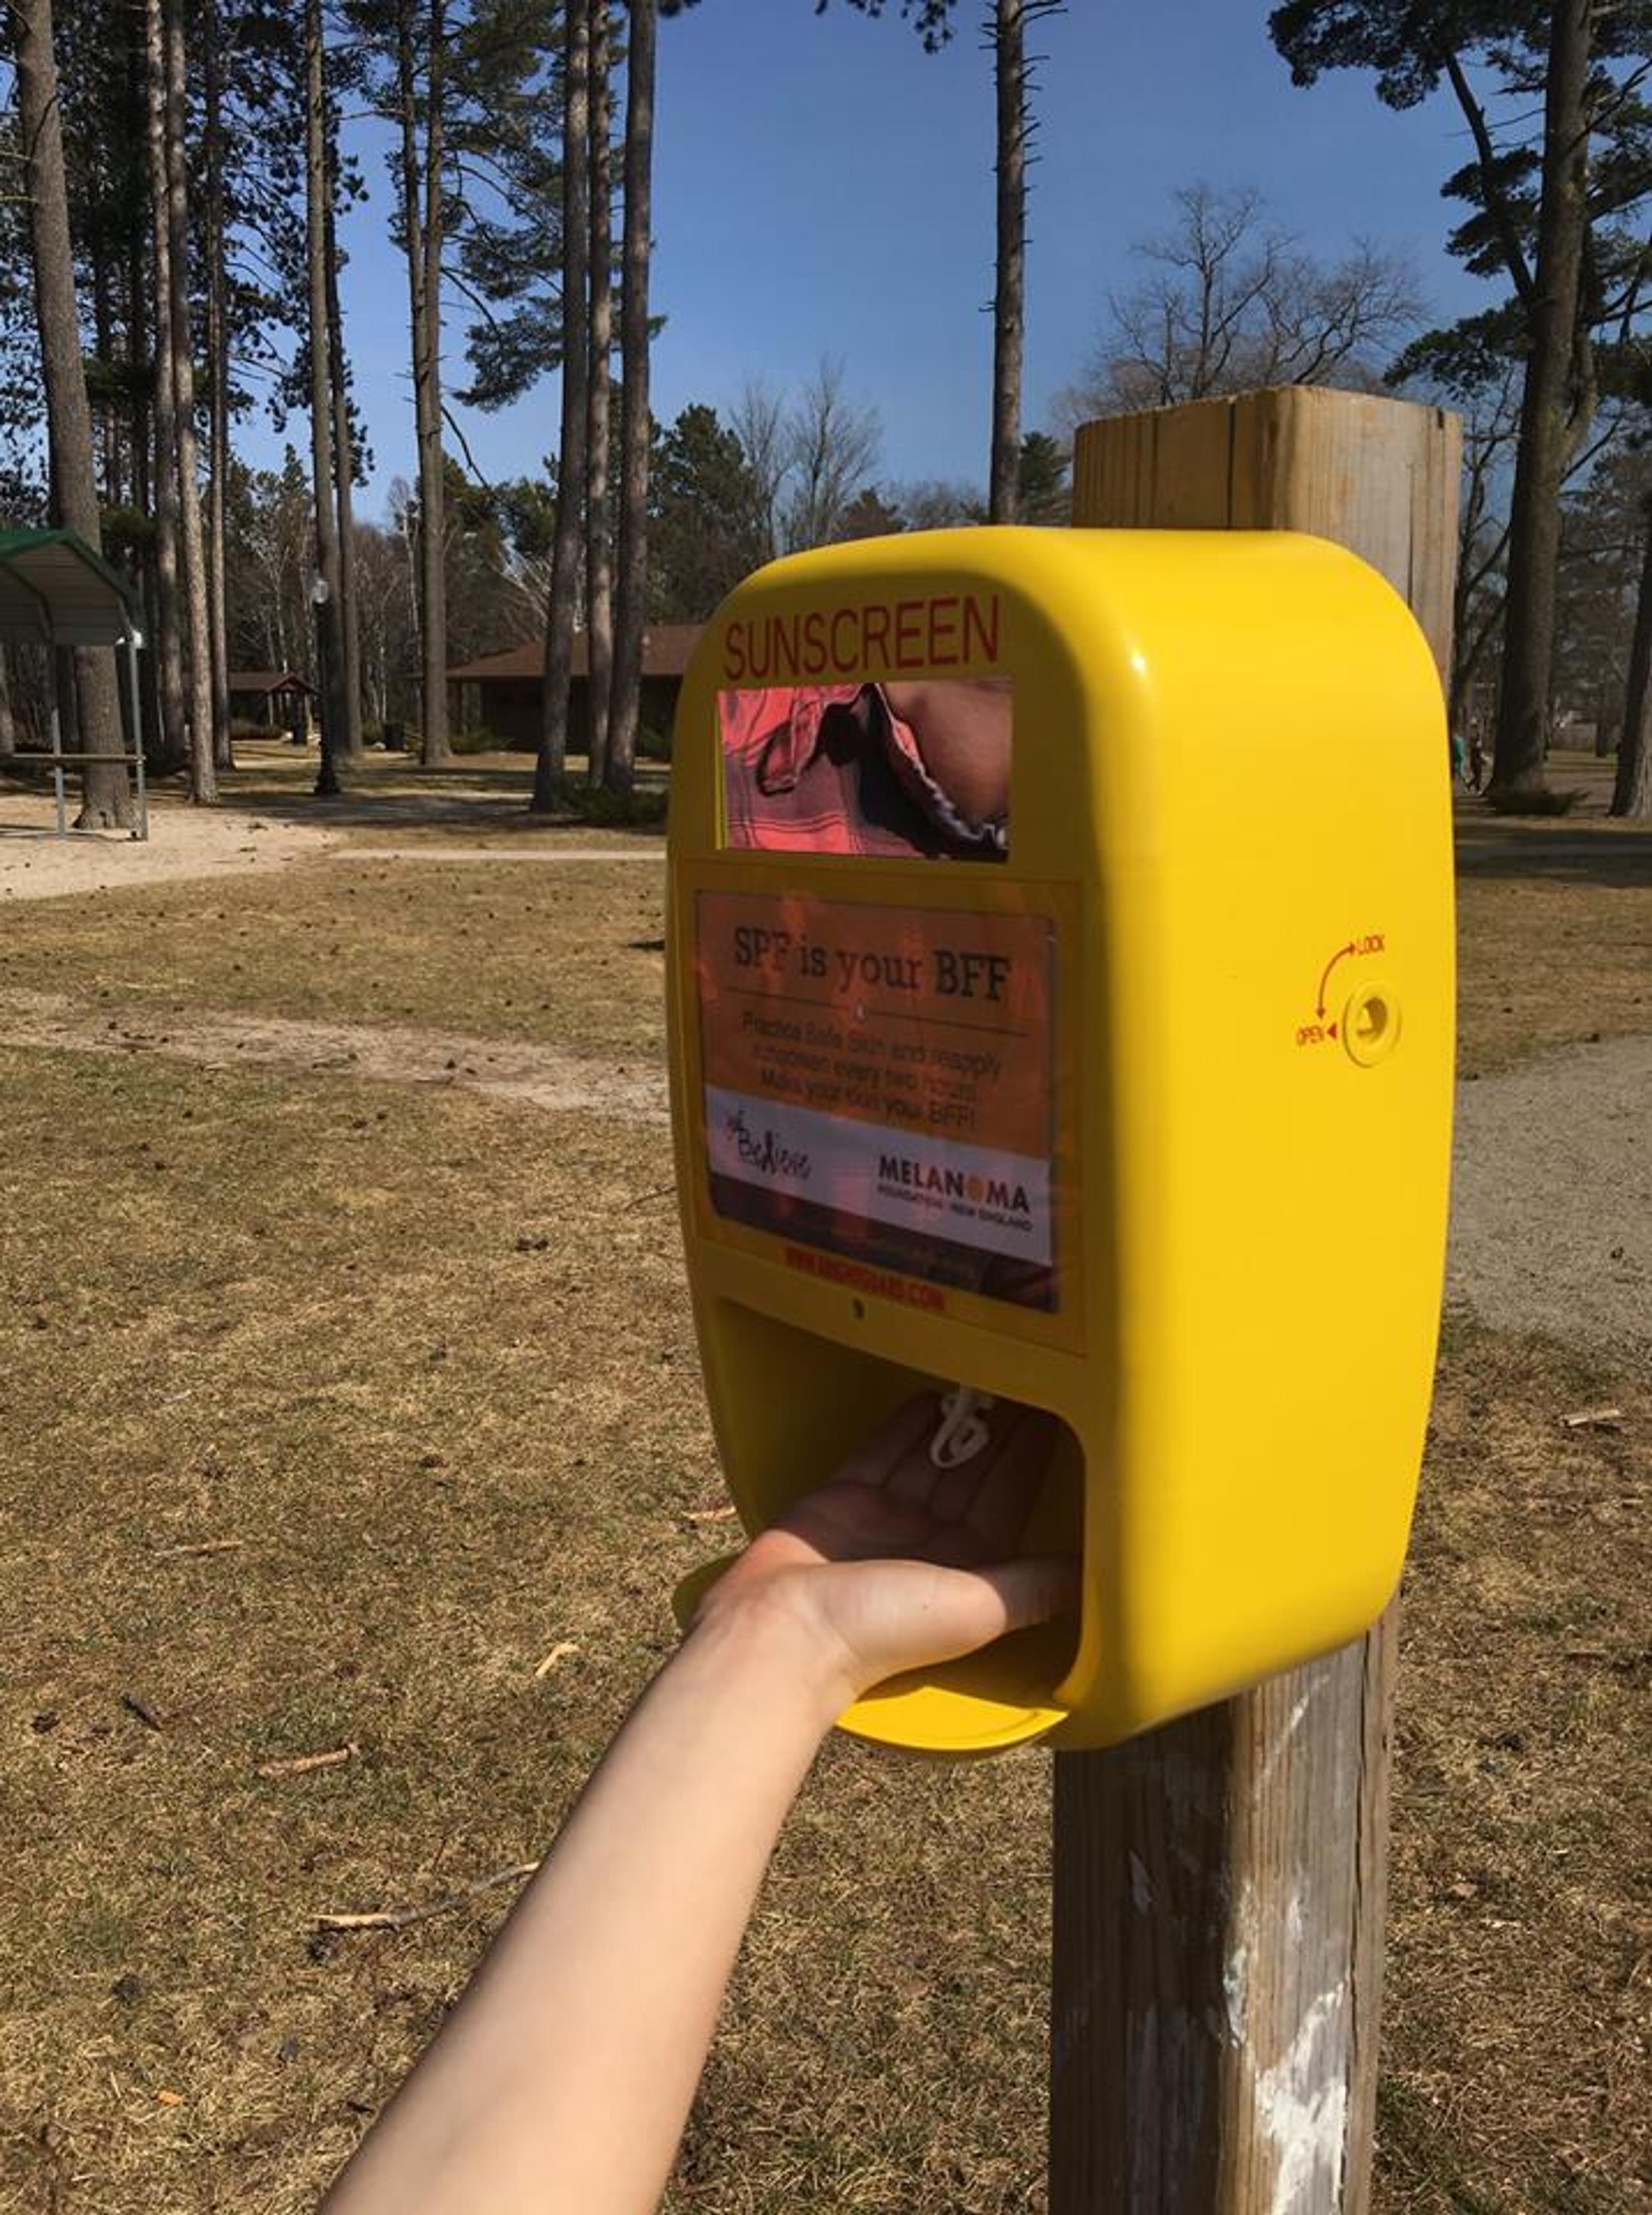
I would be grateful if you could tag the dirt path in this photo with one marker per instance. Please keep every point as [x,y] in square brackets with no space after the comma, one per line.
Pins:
[183,843]
[1551,1224]
[1551,1219]
[651,856]
[541,1077]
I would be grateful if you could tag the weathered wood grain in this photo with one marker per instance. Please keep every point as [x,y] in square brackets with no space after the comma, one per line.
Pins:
[1377,476]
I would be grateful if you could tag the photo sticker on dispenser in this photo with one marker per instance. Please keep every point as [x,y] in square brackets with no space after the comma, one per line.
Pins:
[880,1088]
[888,771]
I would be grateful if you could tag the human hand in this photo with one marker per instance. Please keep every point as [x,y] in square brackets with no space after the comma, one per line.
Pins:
[894,1564]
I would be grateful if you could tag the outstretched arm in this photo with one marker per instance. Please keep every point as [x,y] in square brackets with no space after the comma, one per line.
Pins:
[561,2082]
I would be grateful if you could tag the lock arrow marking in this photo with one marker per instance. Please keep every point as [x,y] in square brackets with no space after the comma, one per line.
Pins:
[1341,955]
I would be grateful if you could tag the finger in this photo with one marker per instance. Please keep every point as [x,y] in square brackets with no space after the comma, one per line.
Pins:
[1010,1485]
[951,1546]
[913,1478]
[872,1462]
[1036,1589]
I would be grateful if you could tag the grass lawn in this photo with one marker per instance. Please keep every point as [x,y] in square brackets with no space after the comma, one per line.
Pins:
[333,1408]
[1555,926]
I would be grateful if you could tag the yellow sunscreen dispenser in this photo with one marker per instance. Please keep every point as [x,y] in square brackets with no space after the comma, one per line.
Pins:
[1061,1006]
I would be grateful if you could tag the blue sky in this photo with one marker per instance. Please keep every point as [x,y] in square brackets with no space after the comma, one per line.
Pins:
[825,186]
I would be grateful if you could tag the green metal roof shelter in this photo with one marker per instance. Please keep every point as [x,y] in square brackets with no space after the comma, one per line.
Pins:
[56,591]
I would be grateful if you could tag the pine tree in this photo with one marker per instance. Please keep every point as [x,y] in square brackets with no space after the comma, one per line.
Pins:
[107,801]
[1004,30]
[550,768]
[636,419]
[191,537]
[1545,207]
[598,556]
[323,494]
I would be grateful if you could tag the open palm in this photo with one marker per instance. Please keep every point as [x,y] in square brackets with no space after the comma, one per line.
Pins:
[904,1565]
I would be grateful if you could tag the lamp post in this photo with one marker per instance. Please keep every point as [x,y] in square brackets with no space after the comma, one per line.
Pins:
[327,783]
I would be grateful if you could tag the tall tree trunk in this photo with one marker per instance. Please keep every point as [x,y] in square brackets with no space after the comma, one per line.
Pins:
[344,471]
[140,373]
[551,766]
[1542,456]
[421,202]
[427,391]
[218,374]
[140,239]
[635,423]
[1632,793]
[330,669]
[413,233]
[107,791]
[109,418]
[8,723]
[599,575]
[203,745]
[64,667]
[1010,299]
[167,644]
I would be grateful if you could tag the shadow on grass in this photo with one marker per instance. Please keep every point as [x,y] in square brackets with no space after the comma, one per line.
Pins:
[1602,854]
[476,815]
[480,797]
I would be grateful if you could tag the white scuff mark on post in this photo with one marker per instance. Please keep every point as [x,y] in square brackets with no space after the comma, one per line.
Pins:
[1294,1919]
[1141,1886]
[1286,1733]
[1236,1991]
[1235,1969]
[1301,2108]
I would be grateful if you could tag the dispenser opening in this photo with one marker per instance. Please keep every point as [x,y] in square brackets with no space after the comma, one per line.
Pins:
[867,1459]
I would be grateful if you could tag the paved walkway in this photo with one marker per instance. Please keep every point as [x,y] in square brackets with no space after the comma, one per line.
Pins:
[1551,1217]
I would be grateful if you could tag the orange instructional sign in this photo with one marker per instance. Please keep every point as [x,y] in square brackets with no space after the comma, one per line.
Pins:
[879,1084]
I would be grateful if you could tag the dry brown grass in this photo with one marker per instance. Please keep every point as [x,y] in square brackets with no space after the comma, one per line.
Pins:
[1554,929]
[290,1323]
[426,1359]
[1518,2034]
[1552,962]
[531,950]
[390,800]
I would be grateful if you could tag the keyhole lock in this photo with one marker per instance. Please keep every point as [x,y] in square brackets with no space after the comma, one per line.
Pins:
[1371,1025]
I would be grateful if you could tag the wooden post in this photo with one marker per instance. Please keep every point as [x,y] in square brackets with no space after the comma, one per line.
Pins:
[1221,1884]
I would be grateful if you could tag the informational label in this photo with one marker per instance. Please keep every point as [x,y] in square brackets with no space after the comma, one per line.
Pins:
[879,1084]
